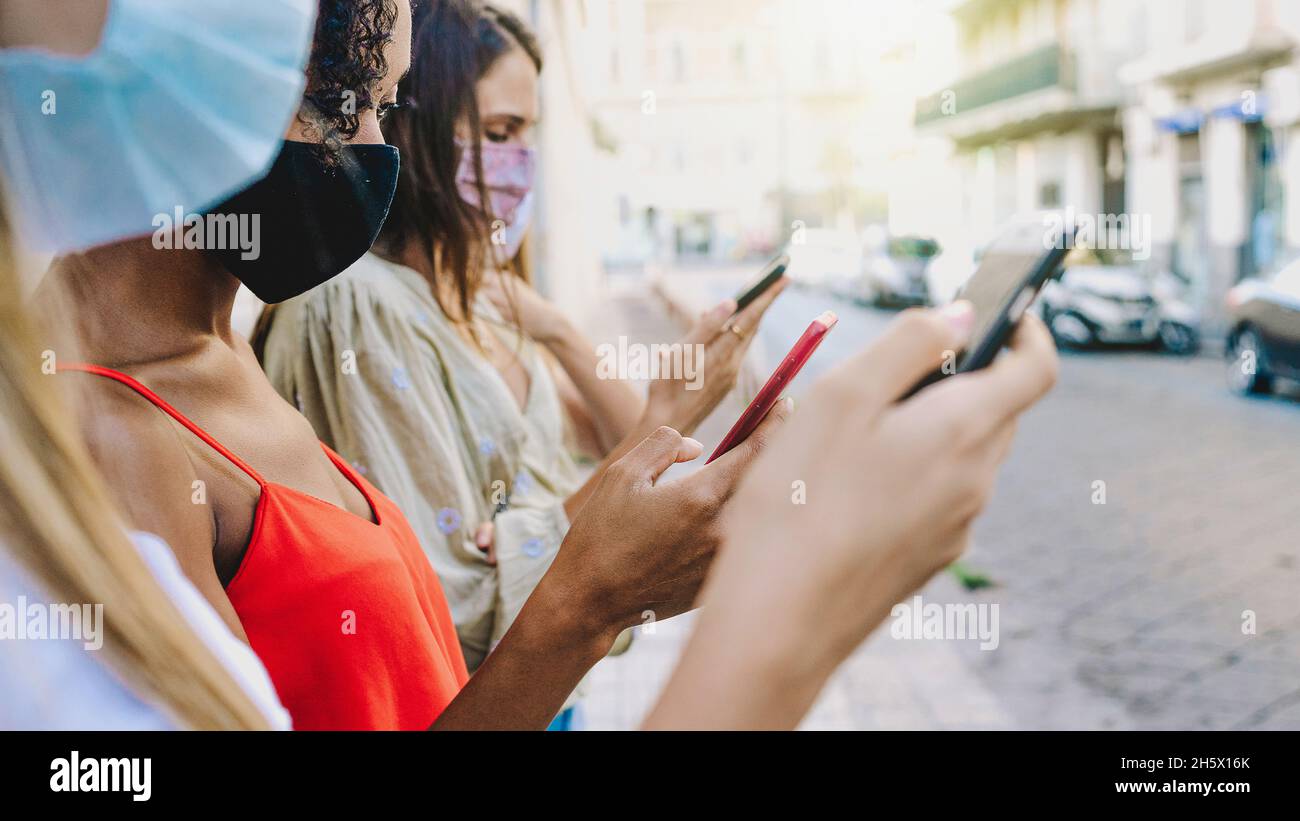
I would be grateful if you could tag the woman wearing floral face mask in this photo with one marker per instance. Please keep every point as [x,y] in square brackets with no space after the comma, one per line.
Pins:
[323,575]
[298,554]
[157,653]
[460,416]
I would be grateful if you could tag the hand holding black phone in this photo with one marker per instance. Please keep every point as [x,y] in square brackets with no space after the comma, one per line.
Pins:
[1011,273]
[768,277]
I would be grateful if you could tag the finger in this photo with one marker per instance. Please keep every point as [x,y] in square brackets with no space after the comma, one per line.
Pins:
[657,452]
[753,313]
[710,323]
[915,344]
[1018,378]
[485,541]
[730,466]
[729,344]
[690,450]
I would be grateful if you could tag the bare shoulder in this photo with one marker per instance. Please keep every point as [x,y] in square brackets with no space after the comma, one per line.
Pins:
[144,460]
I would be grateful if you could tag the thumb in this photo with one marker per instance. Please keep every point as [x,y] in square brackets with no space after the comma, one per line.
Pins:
[657,452]
[732,465]
[915,344]
[710,322]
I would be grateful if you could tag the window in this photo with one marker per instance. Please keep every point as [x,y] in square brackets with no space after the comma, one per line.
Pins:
[1049,195]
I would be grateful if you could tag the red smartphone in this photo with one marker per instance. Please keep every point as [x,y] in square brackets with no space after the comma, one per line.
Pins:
[777,382]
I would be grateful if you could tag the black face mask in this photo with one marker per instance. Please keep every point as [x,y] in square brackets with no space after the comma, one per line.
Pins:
[315,218]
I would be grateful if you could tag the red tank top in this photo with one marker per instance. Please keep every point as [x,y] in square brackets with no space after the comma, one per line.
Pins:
[346,614]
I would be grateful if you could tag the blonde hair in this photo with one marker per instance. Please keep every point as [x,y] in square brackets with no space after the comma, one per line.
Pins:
[56,517]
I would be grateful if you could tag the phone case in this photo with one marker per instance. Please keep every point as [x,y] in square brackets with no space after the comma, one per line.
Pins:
[777,382]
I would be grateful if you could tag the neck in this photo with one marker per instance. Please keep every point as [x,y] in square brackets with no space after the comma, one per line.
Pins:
[132,304]
[413,256]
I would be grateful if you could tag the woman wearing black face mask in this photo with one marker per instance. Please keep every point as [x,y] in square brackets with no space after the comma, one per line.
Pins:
[285,541]
[322,573]
[299,553]
[453,410]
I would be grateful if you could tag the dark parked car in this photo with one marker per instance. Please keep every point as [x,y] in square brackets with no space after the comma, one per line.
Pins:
[1264,331]
[894,270]
[1109,301]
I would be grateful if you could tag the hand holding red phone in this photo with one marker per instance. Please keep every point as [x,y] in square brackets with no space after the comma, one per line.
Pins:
[777,382]
[890,490]
[726,334]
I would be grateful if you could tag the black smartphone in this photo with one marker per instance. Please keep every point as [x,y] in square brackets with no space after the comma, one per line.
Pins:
[1012,271]
[766,279]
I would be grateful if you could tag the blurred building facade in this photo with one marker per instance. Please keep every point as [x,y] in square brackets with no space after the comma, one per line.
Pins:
[1204,160]
[565,260]
[726,122]
[1032,117]
[1180,112]
[710,129]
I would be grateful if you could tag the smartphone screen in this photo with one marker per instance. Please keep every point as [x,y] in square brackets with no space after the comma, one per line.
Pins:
[776,383]
[768,277]
[1010,274]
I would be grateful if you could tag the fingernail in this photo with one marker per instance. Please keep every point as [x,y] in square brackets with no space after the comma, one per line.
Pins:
[789,404]
[959,315]
[686,440]
[725,309]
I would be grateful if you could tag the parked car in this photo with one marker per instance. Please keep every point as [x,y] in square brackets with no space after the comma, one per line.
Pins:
[1096,303]
[894,271]
[824,258]
[1263,340]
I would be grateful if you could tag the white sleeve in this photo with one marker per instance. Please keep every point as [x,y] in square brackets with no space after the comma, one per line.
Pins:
[58,684]
[238,657]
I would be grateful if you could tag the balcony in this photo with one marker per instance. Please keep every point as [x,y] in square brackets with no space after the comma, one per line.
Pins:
[1044,68]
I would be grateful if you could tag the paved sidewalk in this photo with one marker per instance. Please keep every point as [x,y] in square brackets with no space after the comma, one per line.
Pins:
[887,684]
[1123,615]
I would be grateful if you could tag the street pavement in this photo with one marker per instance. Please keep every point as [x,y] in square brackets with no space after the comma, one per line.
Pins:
[1175,604]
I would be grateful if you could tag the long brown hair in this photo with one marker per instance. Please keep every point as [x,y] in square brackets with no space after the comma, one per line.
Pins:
[454,43]
[57,520]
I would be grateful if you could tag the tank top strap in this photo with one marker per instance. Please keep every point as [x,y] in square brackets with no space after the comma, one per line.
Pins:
[162,404]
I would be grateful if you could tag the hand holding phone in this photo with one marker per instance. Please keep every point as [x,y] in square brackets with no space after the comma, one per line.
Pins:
[768,277]
[777,382]
[1011,273]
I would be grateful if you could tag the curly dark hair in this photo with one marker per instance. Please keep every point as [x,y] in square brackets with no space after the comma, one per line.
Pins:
[347,63]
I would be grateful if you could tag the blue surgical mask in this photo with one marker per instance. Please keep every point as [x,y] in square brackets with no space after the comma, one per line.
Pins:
[180,105]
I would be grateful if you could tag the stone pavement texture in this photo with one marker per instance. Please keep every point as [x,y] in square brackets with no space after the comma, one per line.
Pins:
[1122,615]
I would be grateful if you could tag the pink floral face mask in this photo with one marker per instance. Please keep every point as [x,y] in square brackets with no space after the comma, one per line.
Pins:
[508,174]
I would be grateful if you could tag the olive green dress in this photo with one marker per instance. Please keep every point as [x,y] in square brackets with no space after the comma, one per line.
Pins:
[388,382]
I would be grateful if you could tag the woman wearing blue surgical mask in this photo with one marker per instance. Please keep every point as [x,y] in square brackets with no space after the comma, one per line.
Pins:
[290,543]
[298,555]
[323,574]
[82,144]
[134,645]
[468,384]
